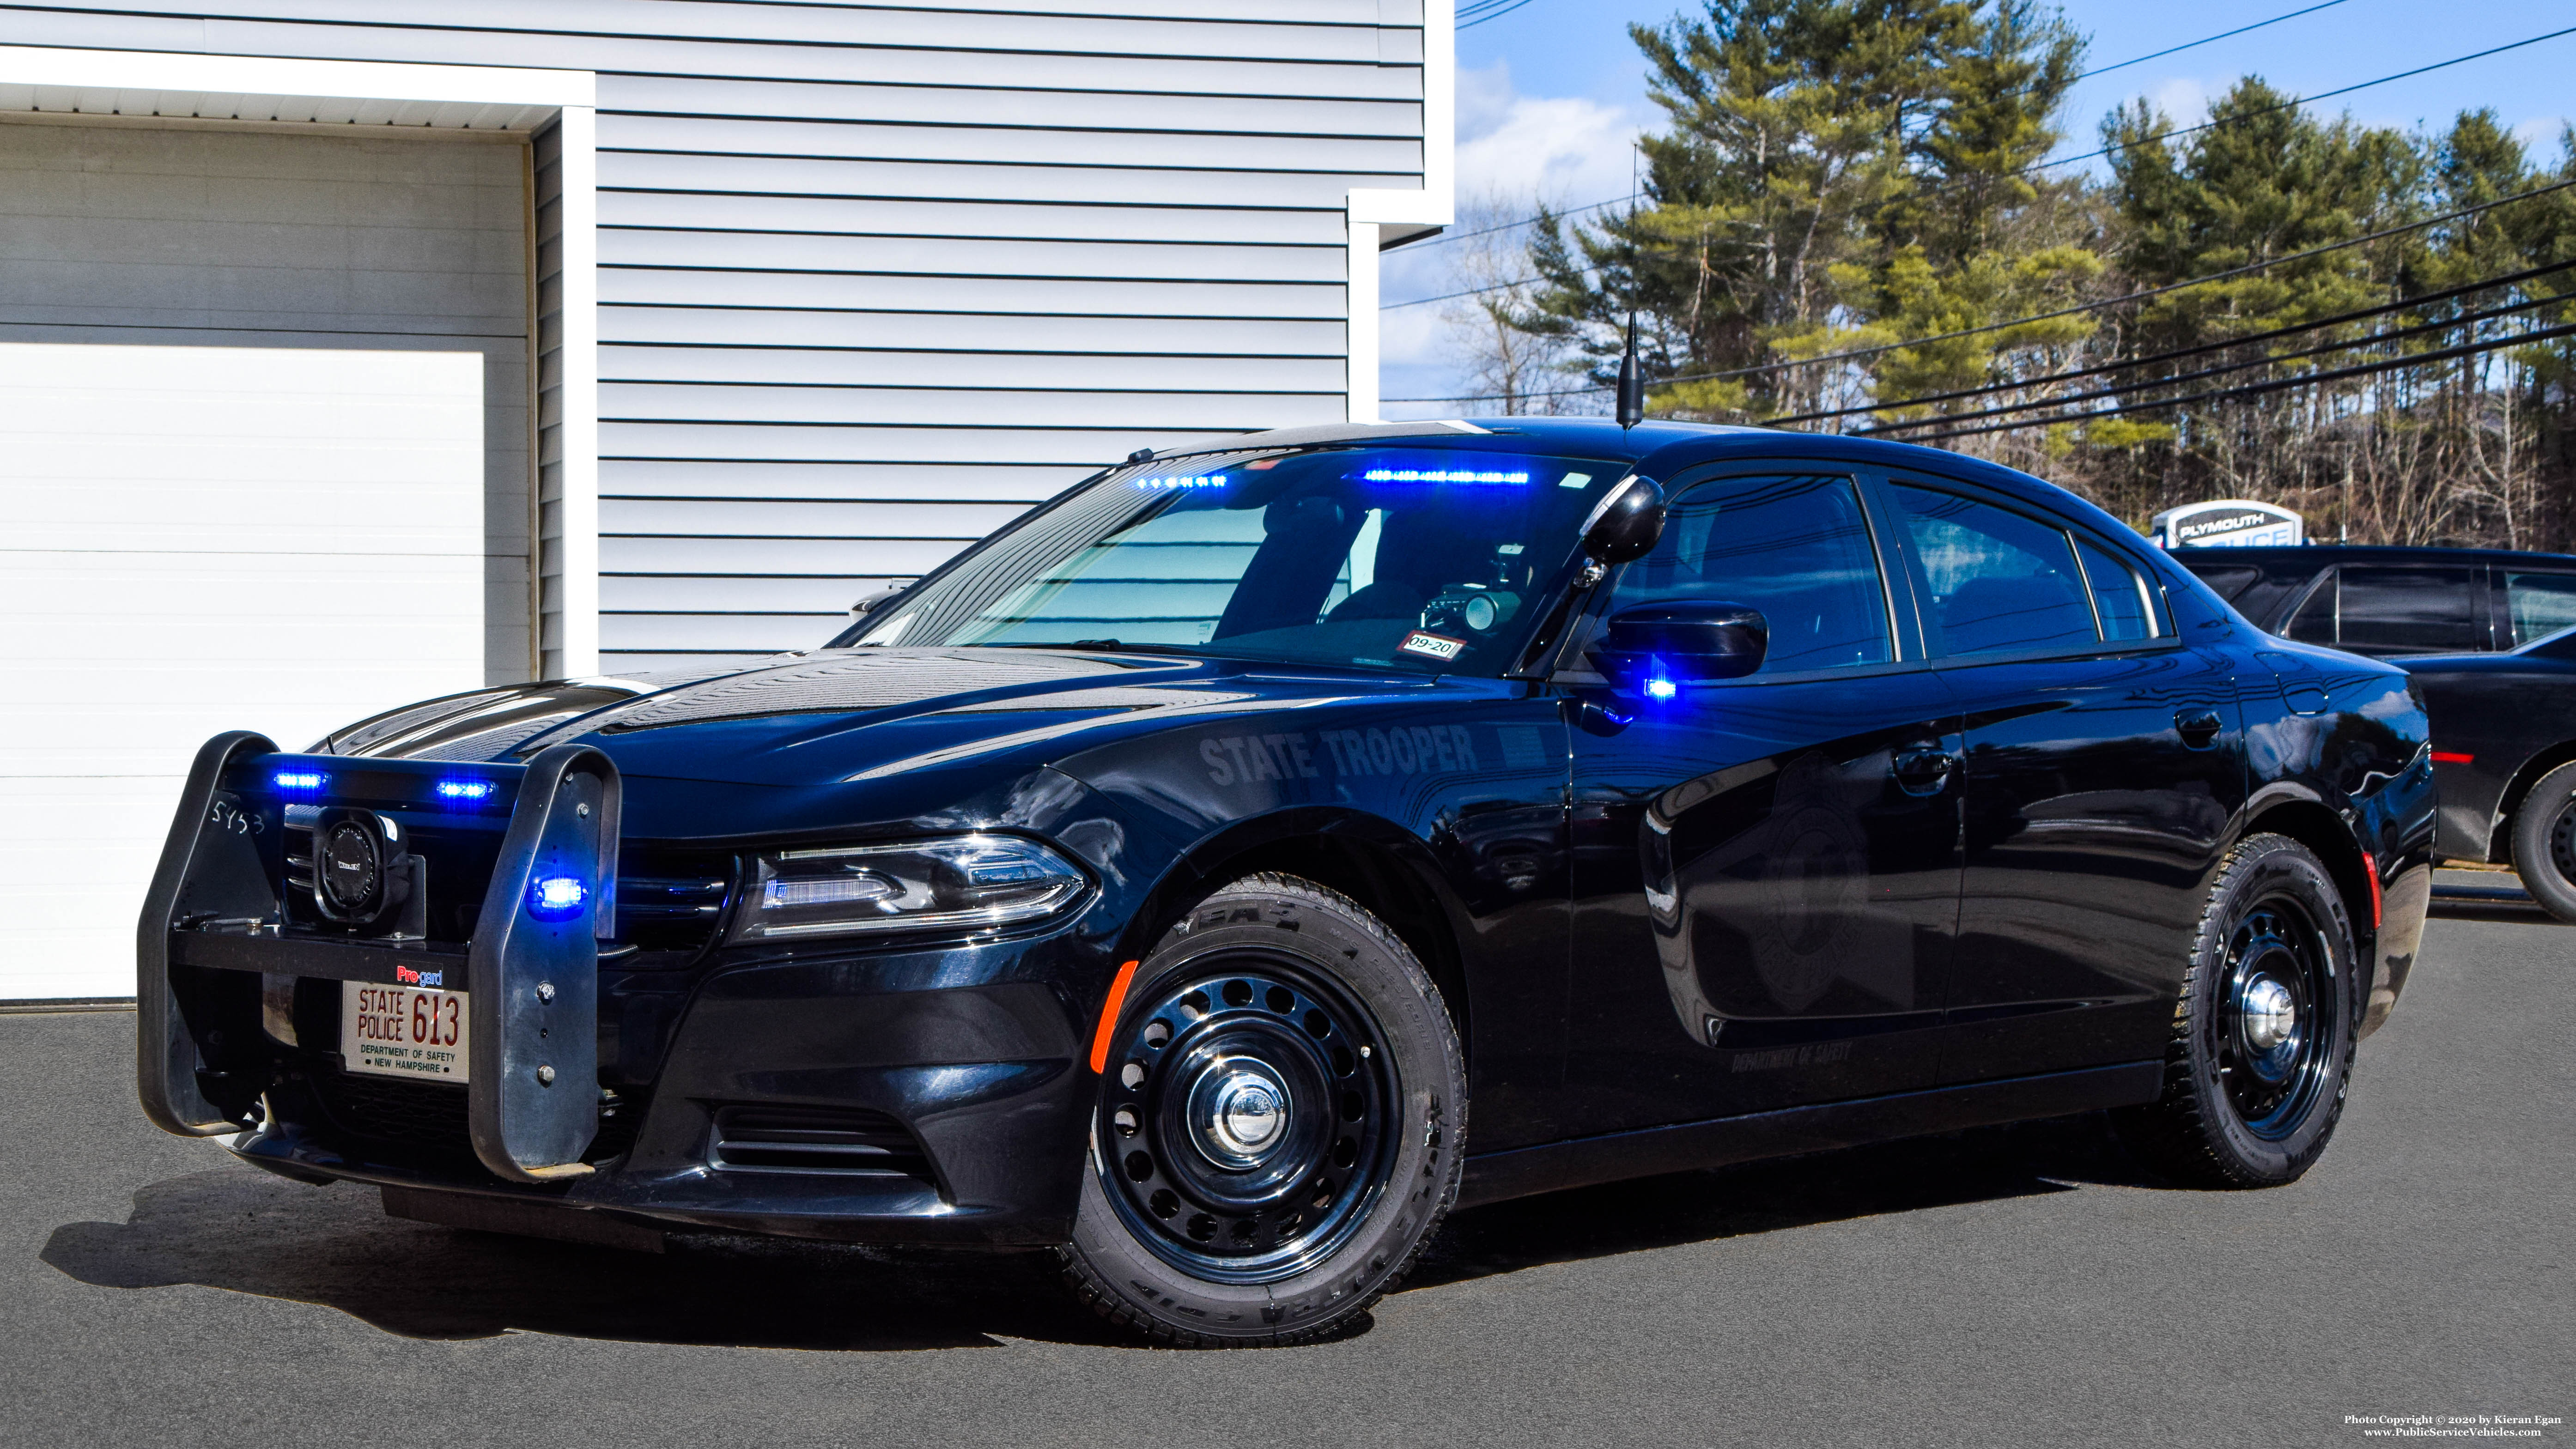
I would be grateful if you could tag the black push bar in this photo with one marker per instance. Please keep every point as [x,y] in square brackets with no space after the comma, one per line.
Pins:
[531,970]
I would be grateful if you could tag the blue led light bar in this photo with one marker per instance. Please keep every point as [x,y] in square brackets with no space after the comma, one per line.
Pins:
[467,789]
[556,897]
[299,779]
[1440,475]
[1166,485]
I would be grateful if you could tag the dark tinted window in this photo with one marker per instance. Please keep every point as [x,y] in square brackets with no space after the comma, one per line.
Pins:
[2413,610]
[2315,621]
[2540,604]
[2227,583]
[2120,598]
[1798,549]
[2000,582]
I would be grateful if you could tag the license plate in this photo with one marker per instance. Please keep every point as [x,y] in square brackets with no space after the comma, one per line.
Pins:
[403,1031]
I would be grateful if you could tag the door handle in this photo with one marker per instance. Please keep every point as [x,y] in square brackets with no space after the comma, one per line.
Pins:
[2198,727]
[1924,769]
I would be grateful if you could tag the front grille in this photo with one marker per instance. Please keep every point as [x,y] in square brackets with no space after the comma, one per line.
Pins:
[432,1116]
[670,903]
[387,1109]
[844,1141]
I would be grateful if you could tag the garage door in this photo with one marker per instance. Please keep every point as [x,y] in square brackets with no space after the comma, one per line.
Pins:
[195,539]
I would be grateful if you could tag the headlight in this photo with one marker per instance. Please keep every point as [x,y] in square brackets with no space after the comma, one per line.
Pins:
[969,882]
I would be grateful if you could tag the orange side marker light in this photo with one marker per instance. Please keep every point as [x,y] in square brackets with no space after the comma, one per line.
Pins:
[1118,998]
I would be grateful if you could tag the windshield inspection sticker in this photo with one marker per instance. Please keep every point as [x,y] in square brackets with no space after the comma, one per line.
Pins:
[1437,646]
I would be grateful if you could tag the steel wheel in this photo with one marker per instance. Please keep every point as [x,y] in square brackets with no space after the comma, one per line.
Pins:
[2263,1026]
[1243,1127]
[2266,1036]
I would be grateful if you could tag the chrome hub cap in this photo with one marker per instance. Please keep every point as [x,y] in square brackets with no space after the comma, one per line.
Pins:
[1239,1110]
[2270,1015]
[1247,1123]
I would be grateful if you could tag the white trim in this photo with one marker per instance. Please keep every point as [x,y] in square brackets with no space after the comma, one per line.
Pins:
[578,600]
[262,89]
[1381,217]
[135,82]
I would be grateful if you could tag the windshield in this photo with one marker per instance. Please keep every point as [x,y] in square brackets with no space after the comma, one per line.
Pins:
[1434,559]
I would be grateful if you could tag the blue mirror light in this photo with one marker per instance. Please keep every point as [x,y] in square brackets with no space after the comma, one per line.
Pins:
[1661,689]
[299,780]
[557,897]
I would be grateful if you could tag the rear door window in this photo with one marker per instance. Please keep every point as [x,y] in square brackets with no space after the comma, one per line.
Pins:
[2406,610]
[2539,605]
[2001,583]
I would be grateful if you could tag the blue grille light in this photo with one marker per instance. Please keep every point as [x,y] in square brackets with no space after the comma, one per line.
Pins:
[299,779]
[1440,475]
[556,897]
[466,789]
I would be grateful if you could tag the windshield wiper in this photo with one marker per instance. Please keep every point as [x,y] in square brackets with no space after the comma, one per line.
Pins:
[1175,650]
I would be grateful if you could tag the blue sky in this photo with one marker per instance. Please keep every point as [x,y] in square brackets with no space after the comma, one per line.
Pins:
[1550,93]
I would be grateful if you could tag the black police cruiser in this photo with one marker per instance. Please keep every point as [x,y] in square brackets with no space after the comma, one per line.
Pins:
[1255,852]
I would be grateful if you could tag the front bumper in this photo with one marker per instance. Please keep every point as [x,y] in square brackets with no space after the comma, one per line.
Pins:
[981,1076]
[934,1094]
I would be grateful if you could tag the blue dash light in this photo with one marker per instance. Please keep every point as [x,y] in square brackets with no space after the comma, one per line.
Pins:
[299,781]
[466,789]
[1166,485]
[1441,475]
[556,897]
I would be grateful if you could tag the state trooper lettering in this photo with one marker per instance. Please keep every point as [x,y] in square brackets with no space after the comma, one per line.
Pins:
[1298,755]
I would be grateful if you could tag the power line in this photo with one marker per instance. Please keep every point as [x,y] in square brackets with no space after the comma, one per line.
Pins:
[2149,384]
[2496,344]
[2406,304]
[1484,10]
[2077,310]
[2231,120]
[2204,40]
[2298,101]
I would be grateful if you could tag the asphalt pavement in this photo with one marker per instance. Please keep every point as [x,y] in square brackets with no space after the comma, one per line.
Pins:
[2024,1285]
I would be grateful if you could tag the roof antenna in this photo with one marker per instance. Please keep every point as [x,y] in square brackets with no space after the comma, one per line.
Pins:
[1632,385]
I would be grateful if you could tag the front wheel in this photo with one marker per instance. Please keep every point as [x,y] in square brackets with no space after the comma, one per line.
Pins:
[1281,1123]
[2544,842]
[2264,1028]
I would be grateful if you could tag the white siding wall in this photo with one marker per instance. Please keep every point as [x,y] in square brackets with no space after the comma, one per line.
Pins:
[873,279]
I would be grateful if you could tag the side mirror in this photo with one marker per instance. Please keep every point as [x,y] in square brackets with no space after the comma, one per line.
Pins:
[872,602]
[1678,642]
[1625,525]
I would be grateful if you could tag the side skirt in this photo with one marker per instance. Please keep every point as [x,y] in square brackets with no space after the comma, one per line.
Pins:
[1501,1176]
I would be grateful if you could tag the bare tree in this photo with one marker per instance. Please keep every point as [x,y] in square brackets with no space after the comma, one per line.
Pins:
[1486,332]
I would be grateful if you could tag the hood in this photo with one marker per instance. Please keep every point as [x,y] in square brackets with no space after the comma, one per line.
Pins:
[861,717]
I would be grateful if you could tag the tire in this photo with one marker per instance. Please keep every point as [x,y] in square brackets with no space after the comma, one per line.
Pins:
[1207,1221]
[2251,1095]
[2544,842]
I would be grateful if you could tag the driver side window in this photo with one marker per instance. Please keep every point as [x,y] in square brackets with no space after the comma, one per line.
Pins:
[1796,548]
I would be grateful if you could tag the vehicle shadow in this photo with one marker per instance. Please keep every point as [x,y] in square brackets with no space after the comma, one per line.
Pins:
[247,1232]
[1985,1165]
